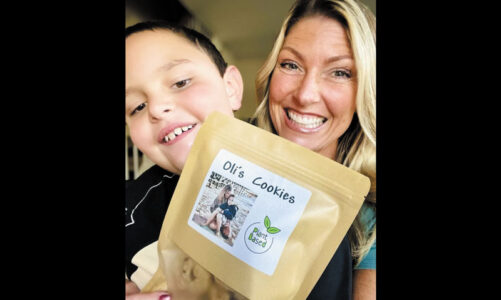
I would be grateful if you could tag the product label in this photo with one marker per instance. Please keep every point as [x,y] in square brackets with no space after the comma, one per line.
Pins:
[247,210]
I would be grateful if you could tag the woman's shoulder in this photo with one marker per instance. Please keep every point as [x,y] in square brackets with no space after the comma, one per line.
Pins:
[369,260]
[368,217]
[368,214]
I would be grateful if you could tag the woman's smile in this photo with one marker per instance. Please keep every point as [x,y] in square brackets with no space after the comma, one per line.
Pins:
[313,89]
[303,122]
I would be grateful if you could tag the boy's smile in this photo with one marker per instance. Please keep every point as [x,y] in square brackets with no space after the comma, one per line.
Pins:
[173,133]
[171,88]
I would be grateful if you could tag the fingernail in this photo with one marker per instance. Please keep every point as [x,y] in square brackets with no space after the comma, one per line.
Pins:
[164,297]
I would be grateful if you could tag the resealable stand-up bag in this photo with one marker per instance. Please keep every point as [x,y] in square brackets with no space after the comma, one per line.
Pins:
[272,239]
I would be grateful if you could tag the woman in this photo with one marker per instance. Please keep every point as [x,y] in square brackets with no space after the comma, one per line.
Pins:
[223,196]
[317,89]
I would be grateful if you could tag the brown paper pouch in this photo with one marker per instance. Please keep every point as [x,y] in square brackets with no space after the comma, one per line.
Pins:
[294,208]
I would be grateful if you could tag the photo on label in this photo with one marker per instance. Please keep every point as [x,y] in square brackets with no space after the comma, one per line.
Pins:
[223,207]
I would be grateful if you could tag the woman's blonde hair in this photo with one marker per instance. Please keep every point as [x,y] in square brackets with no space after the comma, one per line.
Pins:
[220,197]
[357,146]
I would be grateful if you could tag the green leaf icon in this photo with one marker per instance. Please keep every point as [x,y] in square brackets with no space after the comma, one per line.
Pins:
[267,222]
[273,230]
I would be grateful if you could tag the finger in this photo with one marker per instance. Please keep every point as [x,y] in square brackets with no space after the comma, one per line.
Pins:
[149,296]
[131,288]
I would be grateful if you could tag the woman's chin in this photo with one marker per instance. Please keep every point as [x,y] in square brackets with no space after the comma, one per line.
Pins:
[301,140]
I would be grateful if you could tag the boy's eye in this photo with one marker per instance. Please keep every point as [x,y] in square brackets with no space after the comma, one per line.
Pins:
[181,84]
[139,108]
[289,66]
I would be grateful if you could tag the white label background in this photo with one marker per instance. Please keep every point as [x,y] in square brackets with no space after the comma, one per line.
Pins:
[282,214]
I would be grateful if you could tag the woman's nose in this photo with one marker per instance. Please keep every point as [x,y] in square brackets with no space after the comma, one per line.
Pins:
[308,91]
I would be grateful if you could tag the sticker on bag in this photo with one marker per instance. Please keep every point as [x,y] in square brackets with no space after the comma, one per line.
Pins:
[260,215]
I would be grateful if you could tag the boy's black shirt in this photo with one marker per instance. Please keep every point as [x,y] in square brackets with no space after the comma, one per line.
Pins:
[229,211]
[146,201]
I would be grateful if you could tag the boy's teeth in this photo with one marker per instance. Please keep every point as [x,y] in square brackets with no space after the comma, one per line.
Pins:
[177,131]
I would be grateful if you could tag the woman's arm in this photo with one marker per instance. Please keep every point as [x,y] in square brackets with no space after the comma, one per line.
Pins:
[364,284]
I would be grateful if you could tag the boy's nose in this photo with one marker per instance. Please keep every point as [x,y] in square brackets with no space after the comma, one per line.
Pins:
[158,108]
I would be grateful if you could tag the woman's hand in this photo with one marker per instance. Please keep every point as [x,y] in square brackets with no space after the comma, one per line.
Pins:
[132,292]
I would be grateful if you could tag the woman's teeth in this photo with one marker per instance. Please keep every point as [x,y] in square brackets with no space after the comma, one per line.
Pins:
[174,133]
[305,121]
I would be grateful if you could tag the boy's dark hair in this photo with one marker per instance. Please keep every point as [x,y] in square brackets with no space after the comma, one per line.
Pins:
[193,36]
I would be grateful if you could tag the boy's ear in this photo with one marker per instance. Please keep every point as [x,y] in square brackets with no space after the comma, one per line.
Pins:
[234,86]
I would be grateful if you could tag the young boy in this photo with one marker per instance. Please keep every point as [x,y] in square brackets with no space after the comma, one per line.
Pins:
[175,78]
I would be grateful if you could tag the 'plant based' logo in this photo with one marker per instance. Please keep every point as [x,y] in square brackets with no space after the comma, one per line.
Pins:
[258,238]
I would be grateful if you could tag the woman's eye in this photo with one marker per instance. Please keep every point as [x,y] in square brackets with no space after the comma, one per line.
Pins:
[181,84]
[342,73]
[289,66]
[139,108]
